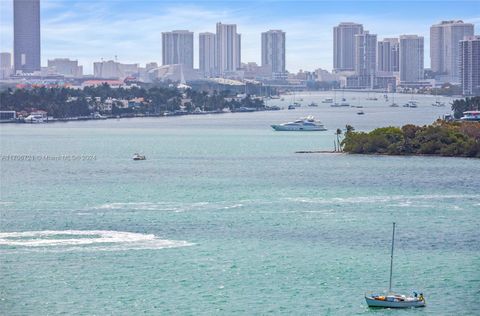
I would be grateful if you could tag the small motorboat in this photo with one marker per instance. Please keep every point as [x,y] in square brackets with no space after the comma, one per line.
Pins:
[291,107]
[360,112]
[313,104]
[137,156]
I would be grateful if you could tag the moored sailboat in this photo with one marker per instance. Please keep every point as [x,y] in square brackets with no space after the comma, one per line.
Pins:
[391,299]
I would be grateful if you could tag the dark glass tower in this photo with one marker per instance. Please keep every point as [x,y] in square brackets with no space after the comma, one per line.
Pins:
[26,35]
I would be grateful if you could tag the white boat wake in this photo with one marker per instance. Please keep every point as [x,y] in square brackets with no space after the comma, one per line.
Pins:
[67,240]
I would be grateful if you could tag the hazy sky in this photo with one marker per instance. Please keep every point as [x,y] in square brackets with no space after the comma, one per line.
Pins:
[88,30]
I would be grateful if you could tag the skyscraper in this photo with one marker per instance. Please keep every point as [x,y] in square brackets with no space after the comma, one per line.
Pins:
[344,46]
[387,55]
[444,47]
[228,50]
[273,51]
[365,58]
[470,65]
[26,35]
[411,58]
[5,65]
[206,53]
[177,48]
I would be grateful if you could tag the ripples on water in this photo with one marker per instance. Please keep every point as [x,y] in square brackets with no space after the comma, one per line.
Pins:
[268,230]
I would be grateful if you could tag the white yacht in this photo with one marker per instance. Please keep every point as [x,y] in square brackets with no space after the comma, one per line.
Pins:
[471,116]
[35,118]
[304,124]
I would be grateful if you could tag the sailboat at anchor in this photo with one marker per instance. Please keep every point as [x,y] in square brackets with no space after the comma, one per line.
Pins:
[391,299]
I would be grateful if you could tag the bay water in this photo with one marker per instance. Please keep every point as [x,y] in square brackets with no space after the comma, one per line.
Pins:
[225,218]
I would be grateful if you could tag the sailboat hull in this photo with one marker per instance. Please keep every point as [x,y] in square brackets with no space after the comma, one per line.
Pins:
[408,303]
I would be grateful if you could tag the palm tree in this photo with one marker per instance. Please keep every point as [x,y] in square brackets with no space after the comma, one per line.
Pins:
[338,133]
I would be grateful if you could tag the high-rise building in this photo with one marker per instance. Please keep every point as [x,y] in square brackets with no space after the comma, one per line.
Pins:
[66,67]
[206,49]
[365,58]
[411,58]
[444,47]
[5,65]
[344,46]
[177,48]
[26,35]
[470,65]
[273,52]
[387,55]
[228,50]
[113,69]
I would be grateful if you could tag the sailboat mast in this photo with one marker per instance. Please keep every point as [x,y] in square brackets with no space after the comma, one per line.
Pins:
[391,260]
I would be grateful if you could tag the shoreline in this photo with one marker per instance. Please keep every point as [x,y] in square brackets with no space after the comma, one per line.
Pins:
[378,154]
[118,117]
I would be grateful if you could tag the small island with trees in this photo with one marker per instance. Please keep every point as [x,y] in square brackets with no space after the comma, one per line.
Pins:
[442,138]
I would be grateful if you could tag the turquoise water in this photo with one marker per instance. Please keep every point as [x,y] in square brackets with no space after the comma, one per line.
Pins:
[224,218]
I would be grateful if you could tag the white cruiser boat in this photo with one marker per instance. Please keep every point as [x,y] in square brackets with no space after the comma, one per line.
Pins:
[471,116]
[305,124]
[391,299]
[35,118]
[137,156]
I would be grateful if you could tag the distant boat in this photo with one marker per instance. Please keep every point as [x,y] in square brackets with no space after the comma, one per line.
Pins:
[272,108]
[198,111]
[291,107]
[438,104]
[360,112]
[411,104]
[329,100]
[471,116]
[34,118]
[305,124]
[137,156]
[391,299]
[313,104]
[245,109]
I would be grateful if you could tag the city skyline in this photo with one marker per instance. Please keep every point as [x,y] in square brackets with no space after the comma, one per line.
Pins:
[88,31]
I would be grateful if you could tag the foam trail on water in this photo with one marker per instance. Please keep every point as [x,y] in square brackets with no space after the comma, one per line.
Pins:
[168,206]
[86,239]
[378,199]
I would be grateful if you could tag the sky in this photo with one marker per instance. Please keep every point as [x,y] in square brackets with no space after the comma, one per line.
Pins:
[88,30]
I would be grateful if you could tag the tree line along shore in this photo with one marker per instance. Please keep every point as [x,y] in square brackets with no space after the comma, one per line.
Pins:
[442,138]
[103,99]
